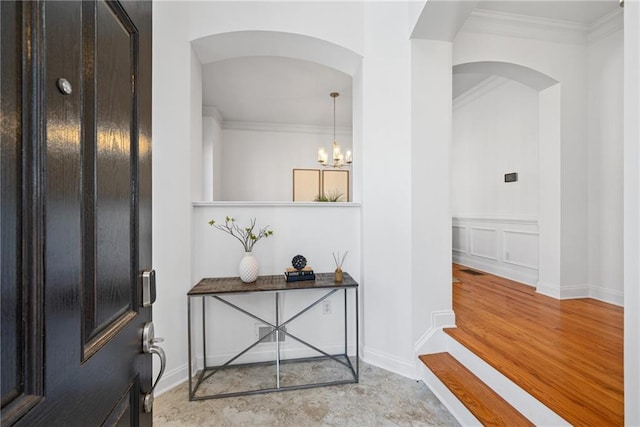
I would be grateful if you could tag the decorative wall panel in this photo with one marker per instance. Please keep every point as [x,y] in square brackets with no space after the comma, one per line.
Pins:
[520,248]
[484,242]
[459,239]
[507,247]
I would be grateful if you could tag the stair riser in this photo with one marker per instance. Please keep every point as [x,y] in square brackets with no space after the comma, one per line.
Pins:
[526,404]
[448,399]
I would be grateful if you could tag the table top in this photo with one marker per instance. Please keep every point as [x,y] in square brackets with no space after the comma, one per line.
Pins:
[230,285]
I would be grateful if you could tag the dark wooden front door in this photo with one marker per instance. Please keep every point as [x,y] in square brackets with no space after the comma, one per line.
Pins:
[76,211]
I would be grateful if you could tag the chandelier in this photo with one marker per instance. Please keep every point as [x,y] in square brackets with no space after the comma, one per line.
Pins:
[339,160]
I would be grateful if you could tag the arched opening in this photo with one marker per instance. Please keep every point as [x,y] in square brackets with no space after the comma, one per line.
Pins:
[507,121]
[309,69]
[237,44]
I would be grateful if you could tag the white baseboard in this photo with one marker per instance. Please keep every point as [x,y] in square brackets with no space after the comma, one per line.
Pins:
[574,291]
[269,355]
[427,343]
[171,379]
[178,375]
[509,271]
[563,292]
[382,360]
[389,362]
[530,277]
[607,295]
[548,289]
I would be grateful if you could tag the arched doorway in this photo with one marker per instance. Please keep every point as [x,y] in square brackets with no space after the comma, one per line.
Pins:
[525,250]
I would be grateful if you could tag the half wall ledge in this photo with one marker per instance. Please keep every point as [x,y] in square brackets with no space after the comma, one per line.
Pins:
[279,204]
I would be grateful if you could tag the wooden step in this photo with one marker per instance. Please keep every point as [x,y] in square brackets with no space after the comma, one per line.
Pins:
[484,403]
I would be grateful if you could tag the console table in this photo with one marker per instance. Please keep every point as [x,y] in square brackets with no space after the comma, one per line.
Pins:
[218,288]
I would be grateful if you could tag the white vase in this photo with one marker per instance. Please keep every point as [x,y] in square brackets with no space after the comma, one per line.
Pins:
[248,268]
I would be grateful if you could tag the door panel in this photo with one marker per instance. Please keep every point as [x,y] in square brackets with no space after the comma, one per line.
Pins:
[20,220]
[109,285]
[114,199]
[10,207]
[81,210]
[122,413]
[20,238]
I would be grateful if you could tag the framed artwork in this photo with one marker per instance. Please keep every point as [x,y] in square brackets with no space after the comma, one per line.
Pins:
[306,185]
[335,183]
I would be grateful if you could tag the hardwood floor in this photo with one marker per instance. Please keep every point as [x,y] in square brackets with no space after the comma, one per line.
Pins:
[568,354]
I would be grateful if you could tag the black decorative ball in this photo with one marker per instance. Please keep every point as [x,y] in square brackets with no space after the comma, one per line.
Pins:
[299,262]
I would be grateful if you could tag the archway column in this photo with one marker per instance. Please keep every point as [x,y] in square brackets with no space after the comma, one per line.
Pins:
[431,123]
[386,188]
[549,217]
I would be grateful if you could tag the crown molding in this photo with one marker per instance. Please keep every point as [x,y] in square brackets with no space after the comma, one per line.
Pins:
[210,111]
[607,25]
[283,127]
[527,27]
[485,86]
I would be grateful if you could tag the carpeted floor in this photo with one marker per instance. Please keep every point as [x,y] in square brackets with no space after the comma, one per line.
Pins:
[380,398]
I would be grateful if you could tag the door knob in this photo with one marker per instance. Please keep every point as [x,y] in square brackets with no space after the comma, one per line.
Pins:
[149,346]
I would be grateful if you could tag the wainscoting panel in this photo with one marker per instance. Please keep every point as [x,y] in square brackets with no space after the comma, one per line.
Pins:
[506,247]
[460,240]
[520,248]
[484,243]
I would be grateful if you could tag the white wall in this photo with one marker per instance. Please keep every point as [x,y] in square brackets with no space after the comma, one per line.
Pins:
[211,155]
[172,156]
[631,212]
[605,123]
[495,133]
[195,117]
[258,160]
[306,229]
[208,138]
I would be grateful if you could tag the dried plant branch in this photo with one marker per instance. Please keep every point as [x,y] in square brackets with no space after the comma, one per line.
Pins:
[245,235]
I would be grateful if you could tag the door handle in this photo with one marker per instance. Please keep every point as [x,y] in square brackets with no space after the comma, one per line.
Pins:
[149,346]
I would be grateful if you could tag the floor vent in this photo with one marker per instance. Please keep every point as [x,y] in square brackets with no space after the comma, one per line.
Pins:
[472,272]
